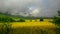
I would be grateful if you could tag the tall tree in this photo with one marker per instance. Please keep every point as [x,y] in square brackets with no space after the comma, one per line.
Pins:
[58,13]
[56,19]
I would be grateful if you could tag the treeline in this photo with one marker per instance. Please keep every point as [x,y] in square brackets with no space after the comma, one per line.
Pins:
[10,19]
[13,19]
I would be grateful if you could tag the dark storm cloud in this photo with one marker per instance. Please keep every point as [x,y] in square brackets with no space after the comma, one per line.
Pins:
[46,8]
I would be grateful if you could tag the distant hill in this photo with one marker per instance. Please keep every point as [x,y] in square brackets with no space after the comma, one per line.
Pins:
[21,17]
[13,16]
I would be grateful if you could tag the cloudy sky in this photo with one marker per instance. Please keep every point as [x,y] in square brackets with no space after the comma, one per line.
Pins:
[37,8]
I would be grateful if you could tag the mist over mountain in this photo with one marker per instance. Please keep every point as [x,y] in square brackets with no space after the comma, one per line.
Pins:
[31,8]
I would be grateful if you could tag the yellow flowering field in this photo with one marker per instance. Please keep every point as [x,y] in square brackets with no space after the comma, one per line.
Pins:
[33,27]
[44,23]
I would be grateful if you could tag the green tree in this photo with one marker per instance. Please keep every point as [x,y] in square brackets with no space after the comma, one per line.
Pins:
[22,20]
[56,19]
[41,19]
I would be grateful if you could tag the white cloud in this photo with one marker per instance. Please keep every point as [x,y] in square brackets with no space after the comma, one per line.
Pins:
[46,7]
[35,12]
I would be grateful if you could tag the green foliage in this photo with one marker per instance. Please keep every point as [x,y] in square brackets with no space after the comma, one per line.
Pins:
[4,19]
[58,13]
[8,19]
[11,20]
[16,19]
[5,28]
[41,19]
[22,20]
[56,20]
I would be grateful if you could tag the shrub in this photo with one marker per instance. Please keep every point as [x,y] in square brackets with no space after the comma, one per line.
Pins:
[5,28]
[4,19]
[41,19]
[22,20]
[11,20]
[56,20]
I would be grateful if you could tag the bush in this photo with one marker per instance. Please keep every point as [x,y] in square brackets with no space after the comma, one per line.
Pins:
[11,20]
[4,19]
[56,20]
[21,20]
[41,19]
[5,28]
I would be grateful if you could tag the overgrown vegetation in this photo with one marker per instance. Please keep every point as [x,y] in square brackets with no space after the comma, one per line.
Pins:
[5,28]
[56,19]
[5,18]
[41,19]
[22,20]
[8,19]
